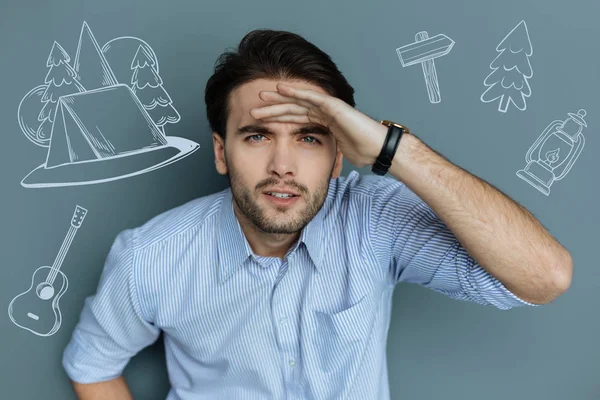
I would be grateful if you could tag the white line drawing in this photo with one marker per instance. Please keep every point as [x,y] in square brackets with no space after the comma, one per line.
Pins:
[423,51]
[148,87]
[28,119]
[511,70]
[93,70]
[37,310]
[60,81]
[80,111]
[117,50]
[554,152]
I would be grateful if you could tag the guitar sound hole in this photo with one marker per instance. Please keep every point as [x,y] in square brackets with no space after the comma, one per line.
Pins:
[45,291]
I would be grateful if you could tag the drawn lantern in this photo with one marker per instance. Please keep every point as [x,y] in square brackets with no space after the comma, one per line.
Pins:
[554,152]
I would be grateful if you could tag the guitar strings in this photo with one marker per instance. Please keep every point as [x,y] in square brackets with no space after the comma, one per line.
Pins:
[62,253]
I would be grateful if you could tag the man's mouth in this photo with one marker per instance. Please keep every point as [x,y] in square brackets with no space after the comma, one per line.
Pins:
[281,198]
[281,195]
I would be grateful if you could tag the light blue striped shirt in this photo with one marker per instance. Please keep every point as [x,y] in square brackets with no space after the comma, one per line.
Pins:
[236,325]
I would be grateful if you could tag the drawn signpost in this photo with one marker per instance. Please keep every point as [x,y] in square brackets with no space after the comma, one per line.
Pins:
[424,51]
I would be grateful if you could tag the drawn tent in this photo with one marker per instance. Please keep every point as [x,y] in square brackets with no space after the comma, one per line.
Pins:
[103,133]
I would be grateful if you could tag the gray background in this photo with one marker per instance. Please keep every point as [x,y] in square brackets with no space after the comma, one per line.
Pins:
[437,347]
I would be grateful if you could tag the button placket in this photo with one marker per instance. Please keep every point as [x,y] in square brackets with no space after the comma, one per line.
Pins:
[286,290]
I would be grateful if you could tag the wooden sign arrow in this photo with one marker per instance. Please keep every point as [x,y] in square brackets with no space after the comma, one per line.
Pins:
[423,51]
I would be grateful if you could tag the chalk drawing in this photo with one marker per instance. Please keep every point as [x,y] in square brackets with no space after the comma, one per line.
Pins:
[424,51]
[508,81]
[37,310]
[102,118]
[552,155]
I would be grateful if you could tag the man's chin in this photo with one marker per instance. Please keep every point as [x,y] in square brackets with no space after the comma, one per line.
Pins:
[276,231]
[278,223]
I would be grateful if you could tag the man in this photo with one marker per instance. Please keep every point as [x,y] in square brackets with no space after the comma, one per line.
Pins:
[281,285]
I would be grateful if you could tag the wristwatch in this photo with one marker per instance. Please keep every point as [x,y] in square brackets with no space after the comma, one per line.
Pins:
[390,145]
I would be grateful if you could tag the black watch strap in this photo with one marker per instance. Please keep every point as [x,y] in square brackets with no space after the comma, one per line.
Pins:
[390,145]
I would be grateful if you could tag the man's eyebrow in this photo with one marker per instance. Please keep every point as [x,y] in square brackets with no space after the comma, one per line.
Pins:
[312,129]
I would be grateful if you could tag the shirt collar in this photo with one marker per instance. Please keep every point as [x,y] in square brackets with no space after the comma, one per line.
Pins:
[234,249]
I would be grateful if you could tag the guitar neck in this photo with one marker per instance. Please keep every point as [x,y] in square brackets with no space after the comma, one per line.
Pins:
[78,216]
[64,248]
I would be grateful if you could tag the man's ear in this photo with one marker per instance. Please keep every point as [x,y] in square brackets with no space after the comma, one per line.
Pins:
[219,148]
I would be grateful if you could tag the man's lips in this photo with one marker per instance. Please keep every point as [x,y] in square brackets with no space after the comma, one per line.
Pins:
[282,201]
[283,191]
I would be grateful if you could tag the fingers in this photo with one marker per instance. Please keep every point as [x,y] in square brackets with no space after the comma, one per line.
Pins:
[311,96]
[300,119]
[294,105]
[277,97]
[278,110]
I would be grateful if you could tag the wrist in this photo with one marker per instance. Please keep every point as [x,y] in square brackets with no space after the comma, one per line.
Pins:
[408,159]
[408,145]
[379,140]
[405,147]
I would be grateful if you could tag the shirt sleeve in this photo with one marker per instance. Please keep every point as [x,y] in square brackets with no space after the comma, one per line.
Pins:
[417,247]
[111,328]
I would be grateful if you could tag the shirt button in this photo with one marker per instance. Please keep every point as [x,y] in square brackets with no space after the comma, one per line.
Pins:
[292,362]
[283,321]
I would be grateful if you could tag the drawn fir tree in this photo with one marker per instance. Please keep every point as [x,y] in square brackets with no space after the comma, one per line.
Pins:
[510,71]
[61,80]
[147,86]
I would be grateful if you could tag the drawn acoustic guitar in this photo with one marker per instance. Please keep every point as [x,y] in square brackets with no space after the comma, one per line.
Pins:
[37,309]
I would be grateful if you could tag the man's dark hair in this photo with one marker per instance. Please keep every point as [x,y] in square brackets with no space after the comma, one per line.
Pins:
[270,54]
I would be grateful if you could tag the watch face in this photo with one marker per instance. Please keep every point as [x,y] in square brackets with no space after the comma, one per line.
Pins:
[388,123]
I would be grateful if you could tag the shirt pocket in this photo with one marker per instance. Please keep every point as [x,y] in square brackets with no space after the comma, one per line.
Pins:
[350,324]
[340,339]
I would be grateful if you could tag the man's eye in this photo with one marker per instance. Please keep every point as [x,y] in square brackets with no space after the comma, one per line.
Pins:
[313,139]
[254,136]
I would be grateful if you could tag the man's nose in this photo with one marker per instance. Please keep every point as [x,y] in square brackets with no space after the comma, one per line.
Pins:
[282,159]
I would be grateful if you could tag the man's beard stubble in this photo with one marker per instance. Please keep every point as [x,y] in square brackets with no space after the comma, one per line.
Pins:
[286,225]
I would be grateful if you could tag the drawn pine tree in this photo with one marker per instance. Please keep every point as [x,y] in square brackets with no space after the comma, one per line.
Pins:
[61,80]
[510,71]
[147,86]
